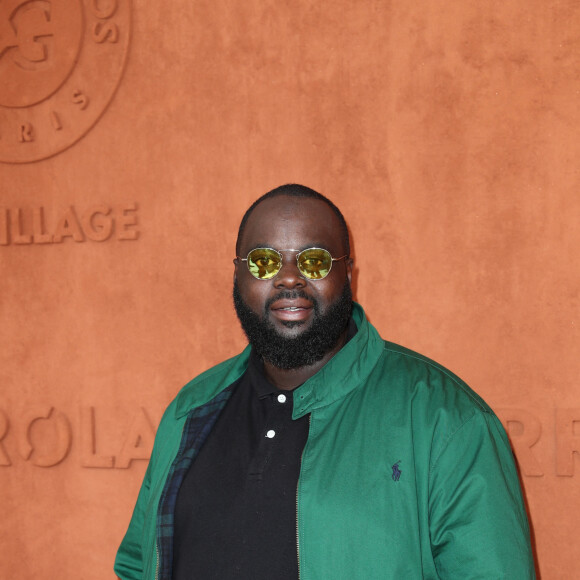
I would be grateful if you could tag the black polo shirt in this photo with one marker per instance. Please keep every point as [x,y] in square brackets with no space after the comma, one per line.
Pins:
[235,515]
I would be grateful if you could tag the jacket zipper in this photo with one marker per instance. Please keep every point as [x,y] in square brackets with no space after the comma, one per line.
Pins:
[297,535]
[157,561]
[297,541]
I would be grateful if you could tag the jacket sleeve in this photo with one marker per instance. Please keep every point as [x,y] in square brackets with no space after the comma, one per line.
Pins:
[129,560]
[478,523]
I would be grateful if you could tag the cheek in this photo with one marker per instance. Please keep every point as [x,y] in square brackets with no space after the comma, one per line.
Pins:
[335,283]
[330,292]
[254,293]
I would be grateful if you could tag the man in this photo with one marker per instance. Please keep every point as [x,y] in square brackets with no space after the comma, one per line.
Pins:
[322,451]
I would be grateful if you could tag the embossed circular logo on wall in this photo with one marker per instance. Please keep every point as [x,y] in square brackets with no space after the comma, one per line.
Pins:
[60,64]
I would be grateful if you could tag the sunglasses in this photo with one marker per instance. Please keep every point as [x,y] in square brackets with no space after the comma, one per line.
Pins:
[313,263]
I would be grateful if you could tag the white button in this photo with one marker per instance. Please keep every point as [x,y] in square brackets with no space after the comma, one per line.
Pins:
[270,434]
[281,398]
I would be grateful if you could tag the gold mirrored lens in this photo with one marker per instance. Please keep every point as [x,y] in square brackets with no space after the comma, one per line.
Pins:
[314,263]
[264,263]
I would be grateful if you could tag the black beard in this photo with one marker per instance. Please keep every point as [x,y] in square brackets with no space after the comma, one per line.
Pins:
[304,349]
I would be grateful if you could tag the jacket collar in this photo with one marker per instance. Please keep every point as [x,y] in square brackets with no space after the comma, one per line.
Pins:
[343,373]
[211,382]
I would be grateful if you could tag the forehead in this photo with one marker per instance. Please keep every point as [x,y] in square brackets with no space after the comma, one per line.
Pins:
[292,223]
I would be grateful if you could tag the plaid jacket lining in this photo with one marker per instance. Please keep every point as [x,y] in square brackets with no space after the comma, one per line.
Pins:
[195,431]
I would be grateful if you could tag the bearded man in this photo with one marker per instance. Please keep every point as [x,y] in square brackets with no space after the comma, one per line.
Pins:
[322,451]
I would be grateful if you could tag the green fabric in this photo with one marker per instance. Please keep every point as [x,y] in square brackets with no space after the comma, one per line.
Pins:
[407,473]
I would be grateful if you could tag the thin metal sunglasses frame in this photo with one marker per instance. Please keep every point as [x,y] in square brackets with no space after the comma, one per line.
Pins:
[299,253]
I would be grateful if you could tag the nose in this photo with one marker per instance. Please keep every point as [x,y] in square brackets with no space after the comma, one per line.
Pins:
[289,275]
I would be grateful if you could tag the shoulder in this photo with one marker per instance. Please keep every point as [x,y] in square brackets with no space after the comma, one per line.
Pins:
[430,400]
[428,380]
[434,403]
[199,391]
[210,383]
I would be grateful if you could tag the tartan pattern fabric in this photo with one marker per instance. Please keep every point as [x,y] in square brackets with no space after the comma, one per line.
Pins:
[195,431]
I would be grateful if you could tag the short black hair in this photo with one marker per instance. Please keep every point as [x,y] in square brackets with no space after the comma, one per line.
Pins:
[295,190]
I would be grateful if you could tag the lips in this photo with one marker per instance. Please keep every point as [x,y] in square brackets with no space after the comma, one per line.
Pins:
[291,309]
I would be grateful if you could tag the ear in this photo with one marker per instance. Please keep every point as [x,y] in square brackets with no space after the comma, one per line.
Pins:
[236,264]
[349,262]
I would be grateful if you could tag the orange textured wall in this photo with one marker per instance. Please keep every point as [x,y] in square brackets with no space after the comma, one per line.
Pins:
[134,134]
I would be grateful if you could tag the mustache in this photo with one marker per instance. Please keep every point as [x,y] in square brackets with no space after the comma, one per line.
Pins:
[291,295]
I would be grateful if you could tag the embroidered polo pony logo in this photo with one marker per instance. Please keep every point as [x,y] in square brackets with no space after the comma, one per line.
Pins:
[396,471]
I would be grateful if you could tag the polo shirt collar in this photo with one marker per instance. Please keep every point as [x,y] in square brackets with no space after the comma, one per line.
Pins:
[261,386]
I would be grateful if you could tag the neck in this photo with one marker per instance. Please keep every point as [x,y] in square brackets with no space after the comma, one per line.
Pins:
[289,379]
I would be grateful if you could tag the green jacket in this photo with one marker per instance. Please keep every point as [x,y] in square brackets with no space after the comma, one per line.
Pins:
[406,473]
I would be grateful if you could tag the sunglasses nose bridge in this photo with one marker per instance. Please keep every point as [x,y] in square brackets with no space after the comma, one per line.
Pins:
[289,273]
